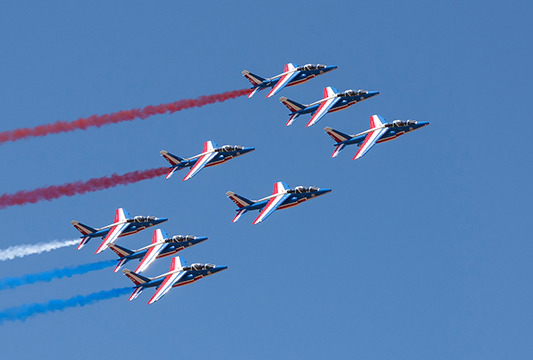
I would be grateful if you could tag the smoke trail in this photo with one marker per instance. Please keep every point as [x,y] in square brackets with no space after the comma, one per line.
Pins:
[47,276]
[48,193]
[24,250]
[113,118]
[25,311]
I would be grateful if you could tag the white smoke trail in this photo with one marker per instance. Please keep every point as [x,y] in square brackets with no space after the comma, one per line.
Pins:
[23,250]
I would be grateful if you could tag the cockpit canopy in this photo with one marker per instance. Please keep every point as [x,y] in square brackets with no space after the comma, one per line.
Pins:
[198,267]
[229,148]
[399,123]
[353,93]
[180,238]
[140,219]
[312,67]
[302,190]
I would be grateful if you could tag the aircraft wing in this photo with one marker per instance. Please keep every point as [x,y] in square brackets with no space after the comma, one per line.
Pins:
[370,140]
[151,254]
[278,197]
[169,280]
[112,236]
[372,137]
[325,106]
[290,72]
[121,216]
[166,285]
[202,160]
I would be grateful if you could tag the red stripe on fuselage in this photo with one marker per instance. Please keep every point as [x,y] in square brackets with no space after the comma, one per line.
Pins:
[301,81]
[170,253]
[389,138]
[188,281]
[334,109]
[286,206]
[131,232]
[219,162]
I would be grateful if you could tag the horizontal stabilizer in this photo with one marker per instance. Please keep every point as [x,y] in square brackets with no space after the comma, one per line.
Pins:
[337,150]
[121,263]
[292,118]
[239,214]
[171,172]
[136,293]
[83,242]
[252,93]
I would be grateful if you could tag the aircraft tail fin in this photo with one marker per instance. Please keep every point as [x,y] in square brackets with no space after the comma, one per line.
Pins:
[85,230]
[336,135]
[120,250]
[82,228]
[240,201]
[171,158]
[293,106]
[137,279]
[252,78]
[122,253]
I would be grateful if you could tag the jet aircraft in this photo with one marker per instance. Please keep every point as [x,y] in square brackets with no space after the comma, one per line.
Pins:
[211,155]
[379,131]
[292,75]
[161,246]
[332,100]
[123,225]
[178,275]
[282,198]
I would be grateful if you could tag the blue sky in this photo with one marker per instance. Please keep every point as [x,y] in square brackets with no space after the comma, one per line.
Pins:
[422,249]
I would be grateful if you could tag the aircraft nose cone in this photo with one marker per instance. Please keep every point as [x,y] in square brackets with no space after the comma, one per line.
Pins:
[323,191]
[219,268]
[422,123]
[248,149]
[161,220]
[330,67]
[373,93]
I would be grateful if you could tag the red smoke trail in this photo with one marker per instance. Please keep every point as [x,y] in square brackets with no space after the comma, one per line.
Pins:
[79,187]
[124,115]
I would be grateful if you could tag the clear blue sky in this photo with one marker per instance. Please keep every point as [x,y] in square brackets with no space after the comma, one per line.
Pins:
[422,250]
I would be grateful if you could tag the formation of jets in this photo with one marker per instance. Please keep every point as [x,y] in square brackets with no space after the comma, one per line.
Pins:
[282,196]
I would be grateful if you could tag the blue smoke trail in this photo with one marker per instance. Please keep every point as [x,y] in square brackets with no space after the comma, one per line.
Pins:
[47,276]
[25,311]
